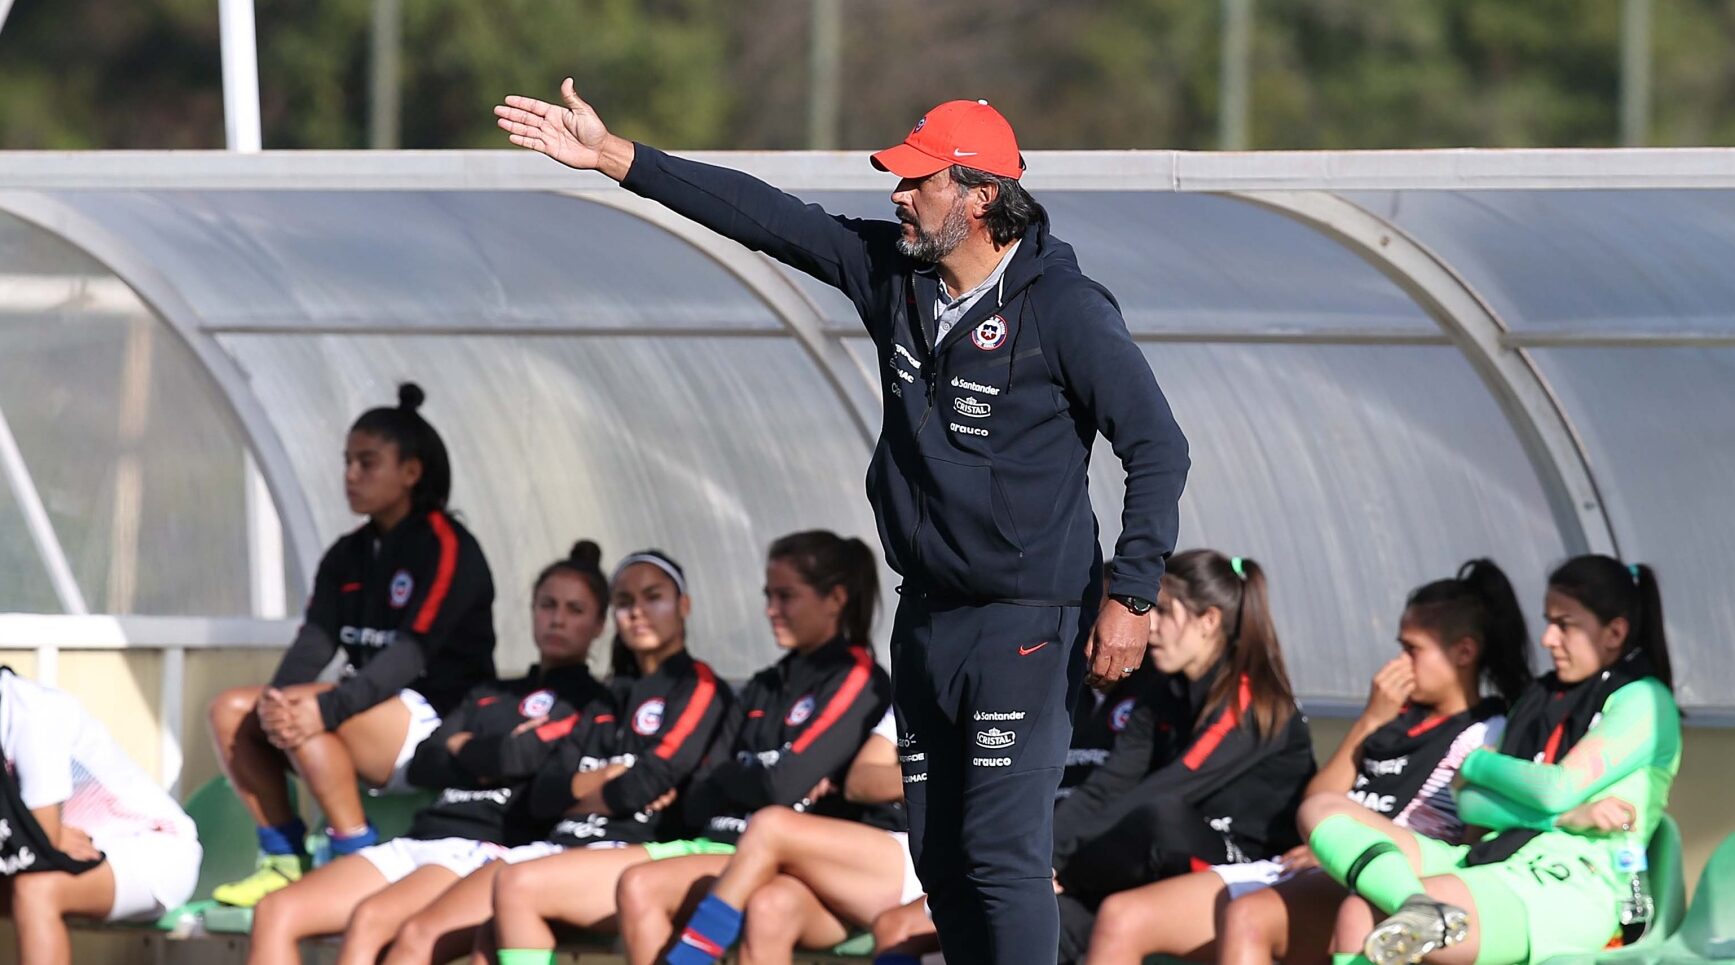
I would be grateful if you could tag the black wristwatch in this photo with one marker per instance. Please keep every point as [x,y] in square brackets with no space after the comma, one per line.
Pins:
[1137,604]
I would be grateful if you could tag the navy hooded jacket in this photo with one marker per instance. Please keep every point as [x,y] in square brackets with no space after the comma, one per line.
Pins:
[978,481]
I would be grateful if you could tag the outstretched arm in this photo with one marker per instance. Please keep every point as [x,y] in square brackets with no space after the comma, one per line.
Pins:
[570,132]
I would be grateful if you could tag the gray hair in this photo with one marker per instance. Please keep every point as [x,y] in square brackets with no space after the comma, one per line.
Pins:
[1011,211]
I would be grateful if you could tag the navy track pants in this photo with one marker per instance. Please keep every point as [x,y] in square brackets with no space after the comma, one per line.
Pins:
[984,697]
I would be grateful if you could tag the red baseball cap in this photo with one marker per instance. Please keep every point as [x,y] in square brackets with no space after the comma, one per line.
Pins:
[957,132]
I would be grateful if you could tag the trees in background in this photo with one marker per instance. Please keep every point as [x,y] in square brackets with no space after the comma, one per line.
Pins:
[734,73]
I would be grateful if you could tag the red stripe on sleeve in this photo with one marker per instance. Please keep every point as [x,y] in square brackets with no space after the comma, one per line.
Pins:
[694,712]
[1206,745]
[840,701]
[556,729]
[604,718]
[442,576]
[1197,864]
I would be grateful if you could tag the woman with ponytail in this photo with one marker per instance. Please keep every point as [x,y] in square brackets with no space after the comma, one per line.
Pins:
[424,892]
[803,804]
[1578,784]
[1211,767]
[1425,712]
[408,600]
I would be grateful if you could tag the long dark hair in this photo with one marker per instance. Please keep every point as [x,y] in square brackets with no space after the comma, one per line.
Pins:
[621,662]
[1609,588]
[584,561]
[825,561]
[1479,603]
[404,427]
[1201,579]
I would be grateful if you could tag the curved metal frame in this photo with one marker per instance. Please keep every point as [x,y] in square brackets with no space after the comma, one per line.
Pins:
[164,299]
[1546,434]
[860,394]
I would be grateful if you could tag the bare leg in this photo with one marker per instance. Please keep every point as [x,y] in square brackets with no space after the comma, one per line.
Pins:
[318,904]
[446,928]
[855,870]
[907,930]
[780,916]
[378,918]
[41,902]
[1291,921]
[257,771]
[654,895]
[364,746]
[576,887]
[1176,916]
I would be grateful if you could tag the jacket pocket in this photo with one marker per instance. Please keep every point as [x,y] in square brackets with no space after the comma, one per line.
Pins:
[969,543]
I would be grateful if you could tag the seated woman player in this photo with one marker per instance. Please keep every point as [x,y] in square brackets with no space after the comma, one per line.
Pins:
[1212,767]
[483,755]
[1425,712]
[793,735]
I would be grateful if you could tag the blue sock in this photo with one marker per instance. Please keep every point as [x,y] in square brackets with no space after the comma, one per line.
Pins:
[713,928]
[341,845]
[287,838]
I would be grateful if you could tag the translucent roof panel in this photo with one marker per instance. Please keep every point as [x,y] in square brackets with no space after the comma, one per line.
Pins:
[1196,263]
[405,259]
[689,444]
[131,448]
[1583,261]
[1659,425]
[26,587]
[1354,474]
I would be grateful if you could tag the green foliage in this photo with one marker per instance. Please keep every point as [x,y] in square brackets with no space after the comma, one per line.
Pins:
[735,73]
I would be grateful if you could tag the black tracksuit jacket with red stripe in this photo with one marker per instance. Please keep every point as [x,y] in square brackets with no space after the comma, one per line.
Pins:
[483,785]
[1219,767]
[799,721]
[412,608]
[662,725]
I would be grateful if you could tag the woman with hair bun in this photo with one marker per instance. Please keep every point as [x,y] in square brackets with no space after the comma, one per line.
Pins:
[408,600]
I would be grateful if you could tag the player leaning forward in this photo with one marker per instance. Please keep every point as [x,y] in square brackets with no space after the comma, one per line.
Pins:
[1001,362]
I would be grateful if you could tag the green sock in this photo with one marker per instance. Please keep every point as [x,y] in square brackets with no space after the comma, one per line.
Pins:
[1365,861]
[1350,959]
[525,956]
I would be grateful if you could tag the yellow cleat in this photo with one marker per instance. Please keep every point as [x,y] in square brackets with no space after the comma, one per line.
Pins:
[275,871]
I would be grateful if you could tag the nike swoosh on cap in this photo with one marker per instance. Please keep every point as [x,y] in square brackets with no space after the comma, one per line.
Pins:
[958,153]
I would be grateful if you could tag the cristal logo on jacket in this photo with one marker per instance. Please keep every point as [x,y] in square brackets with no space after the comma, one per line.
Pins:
[648,719]
[969,406]
[537,704]
[994,738]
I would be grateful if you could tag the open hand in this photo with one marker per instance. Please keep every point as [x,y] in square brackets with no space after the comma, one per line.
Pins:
[569,132]
[76,844]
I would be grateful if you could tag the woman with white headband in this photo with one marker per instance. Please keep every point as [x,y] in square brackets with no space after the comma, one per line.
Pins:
[608,794]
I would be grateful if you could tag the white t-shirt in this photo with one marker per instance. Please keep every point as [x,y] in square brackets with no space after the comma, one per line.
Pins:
[60,754]
[887,728]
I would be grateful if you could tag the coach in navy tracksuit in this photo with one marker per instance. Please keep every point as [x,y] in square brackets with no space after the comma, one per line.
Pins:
[1001,362]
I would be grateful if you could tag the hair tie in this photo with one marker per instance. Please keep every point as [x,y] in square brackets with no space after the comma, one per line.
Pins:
[1633,568]
[1235,563]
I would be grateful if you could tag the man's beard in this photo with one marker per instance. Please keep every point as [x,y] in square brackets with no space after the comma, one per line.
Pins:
[931,248]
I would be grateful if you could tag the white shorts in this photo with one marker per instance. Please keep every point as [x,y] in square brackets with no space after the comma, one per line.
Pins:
[424,720]
[153,872]
[912,885]
[548,849]
[1250,876]
[395,859]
